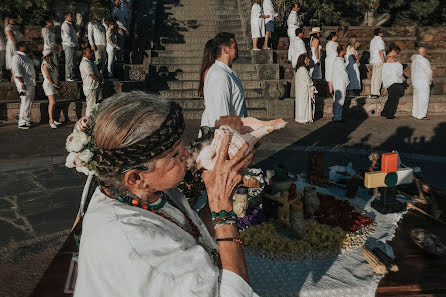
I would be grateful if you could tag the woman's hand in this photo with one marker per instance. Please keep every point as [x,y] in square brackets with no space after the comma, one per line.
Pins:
[221,181]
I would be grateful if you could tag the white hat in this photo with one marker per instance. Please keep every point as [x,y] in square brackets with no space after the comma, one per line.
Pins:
[315,30]
[47,51]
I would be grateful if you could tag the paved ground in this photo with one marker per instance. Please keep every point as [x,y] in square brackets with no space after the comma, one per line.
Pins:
[39,197]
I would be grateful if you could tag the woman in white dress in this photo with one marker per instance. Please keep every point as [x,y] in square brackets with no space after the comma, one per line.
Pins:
[331,49]
[304,107]
[352,67]
[140,237]
[315,44]
[51,83]
[49,38]
[257,23]
[12,36]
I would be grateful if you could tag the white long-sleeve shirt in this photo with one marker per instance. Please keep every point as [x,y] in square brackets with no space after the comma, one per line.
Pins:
[49,38]
[23,66]
[392,74]
[421,71]
[293,21]
[68,34]
[297,48]
[339,76]
[129,251]
[223,94]
[268,9]
[376,45]
[96,33]
[88,67]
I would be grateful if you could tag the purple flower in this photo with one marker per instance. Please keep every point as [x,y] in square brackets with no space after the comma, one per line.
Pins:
[253,217]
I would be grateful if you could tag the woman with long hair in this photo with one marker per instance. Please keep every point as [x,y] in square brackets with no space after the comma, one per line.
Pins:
[304,91]
[51,83]
[12,36]
[331,52]
[257,23]
[315,44]
[352,67]
[209,56]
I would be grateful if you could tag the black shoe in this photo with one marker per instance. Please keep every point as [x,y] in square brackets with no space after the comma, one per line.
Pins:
[374,96]
[339,121]
[24,127]
[391,117]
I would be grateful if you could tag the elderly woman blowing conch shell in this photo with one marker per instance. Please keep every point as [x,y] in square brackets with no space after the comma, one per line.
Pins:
[203,153]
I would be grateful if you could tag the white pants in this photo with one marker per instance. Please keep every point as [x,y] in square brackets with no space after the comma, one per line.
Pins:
[92,97]
[26,104]
[377,74]
[291,35]
[110,61]
[338,102]
[420,100]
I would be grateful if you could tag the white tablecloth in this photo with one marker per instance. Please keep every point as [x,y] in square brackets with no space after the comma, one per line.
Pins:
[346,275]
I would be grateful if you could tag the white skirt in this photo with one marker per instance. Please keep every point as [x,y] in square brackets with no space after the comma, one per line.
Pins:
[49,89]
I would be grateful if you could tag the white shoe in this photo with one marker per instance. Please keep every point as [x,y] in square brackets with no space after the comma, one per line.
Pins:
[53,125]
[69,79]
[57,123]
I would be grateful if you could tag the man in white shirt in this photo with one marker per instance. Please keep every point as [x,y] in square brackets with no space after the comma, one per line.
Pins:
[91,79]
[120,14]
[96,38]
[293,24]
[421,80]
[2,52]
[340,82]
[25,81]
[270,14]
[377,59]
[223,90]
[49,38]
[69,43]
[297,47]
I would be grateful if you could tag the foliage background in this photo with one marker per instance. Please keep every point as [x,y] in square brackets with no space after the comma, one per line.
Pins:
[34,12]
[351,12]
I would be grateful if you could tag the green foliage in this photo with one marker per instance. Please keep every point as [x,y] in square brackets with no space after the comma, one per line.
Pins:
[34,12]
[337,12]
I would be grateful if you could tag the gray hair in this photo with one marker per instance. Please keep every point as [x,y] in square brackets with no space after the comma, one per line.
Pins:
[125,119]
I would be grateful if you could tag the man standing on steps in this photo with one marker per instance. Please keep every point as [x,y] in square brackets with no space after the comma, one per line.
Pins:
[120,14]
[377,59]
[25,81]
[96,38]
[223,90]
[91,80]
[69,43]
[293,24]
[340,82]
[421,81]
[270,14]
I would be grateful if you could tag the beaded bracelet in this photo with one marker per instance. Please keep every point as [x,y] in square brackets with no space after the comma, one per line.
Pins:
[223,213]
[237,240]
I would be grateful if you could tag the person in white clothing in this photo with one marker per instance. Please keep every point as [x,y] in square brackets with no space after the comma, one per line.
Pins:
[2,52]
[223,90]
[297,47]
[98,43]
[51,83]
[70,44]
[91,80]
[157,244]
[13,36]
[305,91]
[421,80]
[292,24]
[393,80]
[270,14]
[257,23]
[377,58]
[112,47]
[352,66]
[331,50]
[25,81]
[121,18]
[49,38]
[340,82]
[315,44]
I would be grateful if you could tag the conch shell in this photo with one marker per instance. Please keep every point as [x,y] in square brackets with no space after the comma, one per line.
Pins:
[243,130]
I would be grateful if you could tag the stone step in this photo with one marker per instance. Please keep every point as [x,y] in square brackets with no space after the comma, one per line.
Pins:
[195,41]
[194,22]
[191,53]
[182,76]
[201,11]
[193,84]
[195,68]
[192,93]
[200,34]
[189,60]
[197,47]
